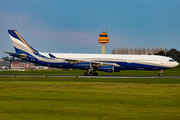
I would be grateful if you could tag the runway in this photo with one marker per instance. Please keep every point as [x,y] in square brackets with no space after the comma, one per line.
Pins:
[90,76]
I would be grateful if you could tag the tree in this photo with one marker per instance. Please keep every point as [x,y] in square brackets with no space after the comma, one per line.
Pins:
[173,53]
[6,58]
[12,59]
[160,53]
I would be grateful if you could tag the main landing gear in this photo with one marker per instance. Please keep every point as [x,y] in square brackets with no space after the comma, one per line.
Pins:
[160,73]
[91,72]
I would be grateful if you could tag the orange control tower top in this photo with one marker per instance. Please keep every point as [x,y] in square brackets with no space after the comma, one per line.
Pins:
[103,37]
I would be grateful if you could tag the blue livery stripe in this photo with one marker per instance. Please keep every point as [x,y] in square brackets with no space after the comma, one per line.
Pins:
[13,34]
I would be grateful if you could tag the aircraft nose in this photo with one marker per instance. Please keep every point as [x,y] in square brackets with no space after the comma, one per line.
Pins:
[177,63]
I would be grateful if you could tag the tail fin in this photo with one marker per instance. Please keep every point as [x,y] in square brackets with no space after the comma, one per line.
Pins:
[20,45]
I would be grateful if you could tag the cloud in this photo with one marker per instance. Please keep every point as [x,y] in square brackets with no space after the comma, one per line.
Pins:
[5,18]
[22,19]
[9,19]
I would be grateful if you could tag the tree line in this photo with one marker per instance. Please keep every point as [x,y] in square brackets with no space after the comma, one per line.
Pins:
[12,59]
[173,53]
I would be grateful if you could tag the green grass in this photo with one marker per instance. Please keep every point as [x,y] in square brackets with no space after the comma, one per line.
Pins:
[38,98]
[169,72]
[89,98]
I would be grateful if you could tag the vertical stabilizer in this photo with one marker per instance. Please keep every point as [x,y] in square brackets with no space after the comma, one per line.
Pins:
[20,45]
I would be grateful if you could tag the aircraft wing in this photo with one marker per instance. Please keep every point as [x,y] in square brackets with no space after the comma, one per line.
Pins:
[94,63]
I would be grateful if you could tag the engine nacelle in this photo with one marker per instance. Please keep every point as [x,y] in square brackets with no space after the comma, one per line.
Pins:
[106,68]
[84,65]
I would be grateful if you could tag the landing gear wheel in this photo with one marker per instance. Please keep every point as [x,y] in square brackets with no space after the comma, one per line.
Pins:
[85,74]
[160,74]
[91,74]
[95,74]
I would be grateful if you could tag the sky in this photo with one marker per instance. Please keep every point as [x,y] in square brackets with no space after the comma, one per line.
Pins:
[64,26]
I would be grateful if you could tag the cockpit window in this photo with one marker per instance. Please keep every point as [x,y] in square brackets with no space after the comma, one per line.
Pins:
[171,60]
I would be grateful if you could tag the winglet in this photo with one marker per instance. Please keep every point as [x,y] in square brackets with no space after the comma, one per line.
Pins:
[52,56]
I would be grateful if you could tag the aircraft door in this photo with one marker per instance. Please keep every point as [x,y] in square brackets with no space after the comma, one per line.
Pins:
[161,60]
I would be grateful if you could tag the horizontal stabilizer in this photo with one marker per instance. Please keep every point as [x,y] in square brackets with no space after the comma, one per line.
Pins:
[17,55]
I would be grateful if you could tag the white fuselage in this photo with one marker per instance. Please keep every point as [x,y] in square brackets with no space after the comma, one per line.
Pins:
[139,59]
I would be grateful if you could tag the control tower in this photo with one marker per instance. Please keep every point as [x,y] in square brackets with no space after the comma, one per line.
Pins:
[103,39]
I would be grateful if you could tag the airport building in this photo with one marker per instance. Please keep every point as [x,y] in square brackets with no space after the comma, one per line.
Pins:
[22,65]
[27,65]
[138,51]
[5,63]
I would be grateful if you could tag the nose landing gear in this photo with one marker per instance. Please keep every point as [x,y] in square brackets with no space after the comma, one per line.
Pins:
[160,73]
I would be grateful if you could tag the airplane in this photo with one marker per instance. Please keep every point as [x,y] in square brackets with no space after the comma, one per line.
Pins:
[89,62]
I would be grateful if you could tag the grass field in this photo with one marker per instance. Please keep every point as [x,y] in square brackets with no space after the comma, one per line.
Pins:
[37,98]
[169,72]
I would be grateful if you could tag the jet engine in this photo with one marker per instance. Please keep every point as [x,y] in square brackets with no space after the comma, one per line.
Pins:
[106,68]
[84,65]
